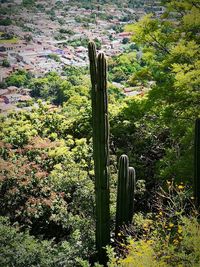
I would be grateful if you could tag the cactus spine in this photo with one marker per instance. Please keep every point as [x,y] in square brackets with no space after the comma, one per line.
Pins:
[100,148]
[197,163]
[125,193]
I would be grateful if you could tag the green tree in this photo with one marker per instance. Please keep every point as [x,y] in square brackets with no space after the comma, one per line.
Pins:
[125,40]
[28,37]
[170,57]
[18,78]
[50,176]
[5,63]
[5,22]
[28,3]
[54,57]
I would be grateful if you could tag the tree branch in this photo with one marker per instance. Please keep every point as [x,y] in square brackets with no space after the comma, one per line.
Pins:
[195,5]
[162,47]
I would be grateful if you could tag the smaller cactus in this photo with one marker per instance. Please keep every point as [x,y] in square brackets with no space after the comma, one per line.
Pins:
[125,193]
[197,163]
[122,193]
[131,190]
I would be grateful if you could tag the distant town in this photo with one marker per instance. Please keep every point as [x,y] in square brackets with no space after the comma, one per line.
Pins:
[54,34]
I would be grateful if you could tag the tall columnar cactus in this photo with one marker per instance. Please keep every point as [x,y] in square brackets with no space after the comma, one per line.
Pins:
[100,148]
[122,213]
[131,192]
[197,163]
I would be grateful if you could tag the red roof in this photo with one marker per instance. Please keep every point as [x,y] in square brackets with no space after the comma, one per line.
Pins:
[124,34]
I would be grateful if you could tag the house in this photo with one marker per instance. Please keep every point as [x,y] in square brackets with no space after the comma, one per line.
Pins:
[25,91]
[118,85]
[4,99]
[4,92]
[128,89]
[13,98]
[11,47]
[25,98]
[81,49]
[68,56]
[28,67]
[12,89]
[133,93]
[125,34]
[115,44]
[3,55]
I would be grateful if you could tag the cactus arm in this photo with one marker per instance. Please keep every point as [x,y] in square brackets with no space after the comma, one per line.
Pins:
[197,163]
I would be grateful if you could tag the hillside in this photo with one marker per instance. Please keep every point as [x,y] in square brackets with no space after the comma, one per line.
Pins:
[105,153]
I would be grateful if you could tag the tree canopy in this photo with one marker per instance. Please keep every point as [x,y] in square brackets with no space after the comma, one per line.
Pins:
[170,57]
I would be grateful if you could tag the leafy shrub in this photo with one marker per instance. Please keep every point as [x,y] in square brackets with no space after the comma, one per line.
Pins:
[20,249]
[157,250]
[46,183]
[169,236]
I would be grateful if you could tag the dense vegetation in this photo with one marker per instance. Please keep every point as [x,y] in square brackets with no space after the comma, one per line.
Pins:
[47,176]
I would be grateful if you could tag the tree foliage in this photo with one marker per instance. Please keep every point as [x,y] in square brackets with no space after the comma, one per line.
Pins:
[170,56]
